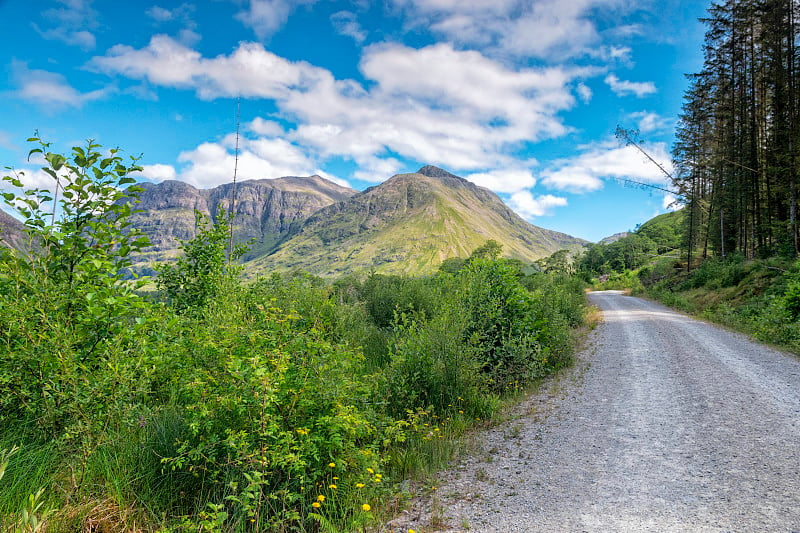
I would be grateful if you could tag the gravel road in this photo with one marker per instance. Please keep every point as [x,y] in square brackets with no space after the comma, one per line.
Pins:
[665,424]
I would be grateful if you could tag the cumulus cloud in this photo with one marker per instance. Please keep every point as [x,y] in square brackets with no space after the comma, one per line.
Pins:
[265,17]
[249,71]
[212,163]
[263,127]
[529,206]
[670,203]
[504,181]
[159,13]
[71,23]
[51,90]
[376,169]
[552,30]
[585,172]
[158,172]
[647,122]
[435,104]
[625,88]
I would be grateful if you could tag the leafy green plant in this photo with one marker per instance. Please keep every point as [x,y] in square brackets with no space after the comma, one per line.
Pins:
[202,272]
[67,307]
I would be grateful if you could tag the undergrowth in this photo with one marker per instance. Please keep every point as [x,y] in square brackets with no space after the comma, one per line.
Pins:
[758,297]
[288,404]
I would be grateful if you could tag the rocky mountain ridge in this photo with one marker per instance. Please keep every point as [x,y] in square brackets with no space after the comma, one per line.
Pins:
[266,210]
[408,225]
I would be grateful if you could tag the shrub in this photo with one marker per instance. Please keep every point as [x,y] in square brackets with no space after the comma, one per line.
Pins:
[385,296]
[202,272]
[69,320]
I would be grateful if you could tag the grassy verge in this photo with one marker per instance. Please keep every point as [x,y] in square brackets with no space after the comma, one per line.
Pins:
[758,297]
[288,405]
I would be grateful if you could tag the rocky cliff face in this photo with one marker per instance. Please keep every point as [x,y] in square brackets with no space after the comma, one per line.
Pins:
[408,225]
[266,211]
[12,232]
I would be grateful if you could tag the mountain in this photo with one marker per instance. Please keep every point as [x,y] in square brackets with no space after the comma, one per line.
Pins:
[614,238]
[266,210]
[12,232]
[408,225]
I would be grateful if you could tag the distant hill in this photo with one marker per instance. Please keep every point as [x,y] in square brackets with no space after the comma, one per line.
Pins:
[266,210]
[614,238]
[666,230]
[408,225]
[12,232]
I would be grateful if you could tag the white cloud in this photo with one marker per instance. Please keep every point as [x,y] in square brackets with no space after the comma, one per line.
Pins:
[212,164]
[552,30]
[346,23]
[51,90]
[584,92]
[159,14]
[585,172]
[647,122]
[72,23]
[158,172]
[376,169]
[504,181]
[624,88]
[263,127]
[438,105]
[265,17]
[35,178]
[611,53]
[670,203]
[529,206]
[250,71]
[183,15]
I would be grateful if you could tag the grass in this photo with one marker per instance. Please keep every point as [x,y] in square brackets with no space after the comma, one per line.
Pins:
[749,296]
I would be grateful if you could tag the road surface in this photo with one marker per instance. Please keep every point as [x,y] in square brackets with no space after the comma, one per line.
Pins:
[666,424]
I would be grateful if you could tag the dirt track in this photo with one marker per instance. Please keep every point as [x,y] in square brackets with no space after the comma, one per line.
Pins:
[665,424]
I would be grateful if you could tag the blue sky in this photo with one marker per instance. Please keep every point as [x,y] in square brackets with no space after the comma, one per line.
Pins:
[520,96]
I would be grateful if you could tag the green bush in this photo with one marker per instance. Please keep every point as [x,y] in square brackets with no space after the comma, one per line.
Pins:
[385,296]
[277,406]
[202,272]
[70,321]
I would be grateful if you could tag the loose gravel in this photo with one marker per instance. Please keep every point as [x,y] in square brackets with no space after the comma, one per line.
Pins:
[664,424]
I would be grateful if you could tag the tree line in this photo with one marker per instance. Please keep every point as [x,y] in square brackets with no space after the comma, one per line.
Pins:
[736,143]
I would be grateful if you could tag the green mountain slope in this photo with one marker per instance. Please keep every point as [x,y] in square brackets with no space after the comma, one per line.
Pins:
[409,225]
[666,230]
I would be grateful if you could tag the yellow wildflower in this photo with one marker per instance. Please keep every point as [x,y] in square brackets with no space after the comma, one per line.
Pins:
[366,507]
[316,505]
[371,471]
[359,485]
[332,465]
[321,498]
[332,486]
